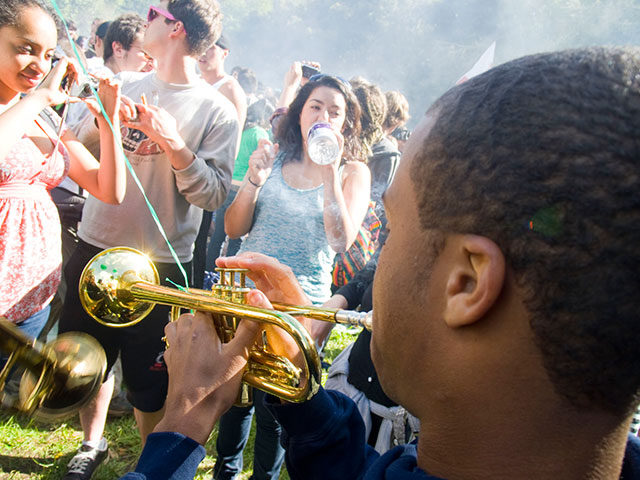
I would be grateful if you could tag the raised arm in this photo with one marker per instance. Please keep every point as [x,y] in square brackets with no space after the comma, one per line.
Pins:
[292,81]
[106,180]
[203,169]
[234,92]
[239,216]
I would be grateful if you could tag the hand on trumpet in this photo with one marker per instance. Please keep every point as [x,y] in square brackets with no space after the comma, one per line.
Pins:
[275,279]
[279,284]
[204,373]
[275,282]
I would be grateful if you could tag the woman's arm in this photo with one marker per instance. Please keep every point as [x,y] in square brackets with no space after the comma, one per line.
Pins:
[106,180]
[346,201]
[14,120]
[239,216]
[292,81]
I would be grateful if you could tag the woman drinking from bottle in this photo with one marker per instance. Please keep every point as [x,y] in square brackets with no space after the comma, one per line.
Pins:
[35,157]
[302,213]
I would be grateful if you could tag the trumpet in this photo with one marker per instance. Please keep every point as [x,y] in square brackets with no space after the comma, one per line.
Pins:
[59,377]
[120,286]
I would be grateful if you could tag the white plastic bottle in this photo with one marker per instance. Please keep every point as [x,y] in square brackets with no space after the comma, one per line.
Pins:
[322,144]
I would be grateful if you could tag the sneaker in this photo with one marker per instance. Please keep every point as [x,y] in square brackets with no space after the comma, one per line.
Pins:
[84,463]
[120,406]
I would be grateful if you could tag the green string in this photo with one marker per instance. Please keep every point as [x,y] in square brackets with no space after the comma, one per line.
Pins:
[127,163]
[179,287]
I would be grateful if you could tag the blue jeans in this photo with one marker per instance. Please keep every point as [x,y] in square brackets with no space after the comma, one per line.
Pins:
[32,327]
[233,434]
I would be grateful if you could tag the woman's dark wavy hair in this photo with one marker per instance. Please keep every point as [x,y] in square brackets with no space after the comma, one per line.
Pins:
[374,109]
[542,155]
[289,136]
[10,11]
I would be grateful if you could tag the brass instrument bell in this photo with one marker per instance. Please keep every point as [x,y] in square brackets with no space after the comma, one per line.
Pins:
[60,376]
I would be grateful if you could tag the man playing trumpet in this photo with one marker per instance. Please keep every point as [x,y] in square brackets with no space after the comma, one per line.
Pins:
[505,299]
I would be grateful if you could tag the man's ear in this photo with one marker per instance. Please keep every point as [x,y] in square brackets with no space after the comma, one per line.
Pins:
[475,280]
[178,27]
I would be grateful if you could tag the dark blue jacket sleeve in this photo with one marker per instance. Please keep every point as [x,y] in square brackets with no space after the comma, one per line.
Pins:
[324,437]
[168,455]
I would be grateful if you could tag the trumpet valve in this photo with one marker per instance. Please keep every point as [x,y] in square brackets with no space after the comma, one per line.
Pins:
[231,287]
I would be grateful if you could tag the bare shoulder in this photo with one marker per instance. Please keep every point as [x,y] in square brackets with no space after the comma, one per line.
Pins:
[356,170]
[232,89]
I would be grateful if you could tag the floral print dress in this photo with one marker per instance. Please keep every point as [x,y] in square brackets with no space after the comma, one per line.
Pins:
[30,236]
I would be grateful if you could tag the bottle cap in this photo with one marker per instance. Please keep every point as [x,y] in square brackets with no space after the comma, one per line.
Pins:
[318,125]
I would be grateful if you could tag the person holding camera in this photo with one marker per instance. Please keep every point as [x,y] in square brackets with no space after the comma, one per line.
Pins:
[184,167]
[297,76]
[35,158]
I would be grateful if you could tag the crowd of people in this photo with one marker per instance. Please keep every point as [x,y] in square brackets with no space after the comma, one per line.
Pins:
[497,246]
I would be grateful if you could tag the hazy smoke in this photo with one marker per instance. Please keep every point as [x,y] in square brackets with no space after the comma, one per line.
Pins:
[420,47]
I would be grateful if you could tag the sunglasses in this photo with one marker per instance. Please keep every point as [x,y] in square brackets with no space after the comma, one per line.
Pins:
[155,11]
[319,76]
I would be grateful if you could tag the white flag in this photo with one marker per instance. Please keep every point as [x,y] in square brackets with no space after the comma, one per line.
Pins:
[484,63]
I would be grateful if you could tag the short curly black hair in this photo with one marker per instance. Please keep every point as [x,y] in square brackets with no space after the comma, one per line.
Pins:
[202,20]
[542,155]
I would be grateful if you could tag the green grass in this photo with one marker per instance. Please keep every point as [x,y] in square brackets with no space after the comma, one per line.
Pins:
[34,450]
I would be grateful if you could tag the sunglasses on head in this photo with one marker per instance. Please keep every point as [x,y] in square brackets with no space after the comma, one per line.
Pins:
[319,76]
[155,11]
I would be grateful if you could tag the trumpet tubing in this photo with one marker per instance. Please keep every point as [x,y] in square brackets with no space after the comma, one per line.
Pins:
[120,286]
[342,317]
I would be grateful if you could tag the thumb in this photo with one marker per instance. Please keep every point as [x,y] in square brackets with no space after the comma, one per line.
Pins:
[256,298]
[243,339]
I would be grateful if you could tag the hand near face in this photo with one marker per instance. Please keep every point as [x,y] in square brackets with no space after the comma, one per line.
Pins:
[261,161]
[331,169]
[204,374]
[51,85]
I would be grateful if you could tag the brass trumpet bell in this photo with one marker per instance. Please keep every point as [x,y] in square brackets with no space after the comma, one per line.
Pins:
[106,286]
[60,376]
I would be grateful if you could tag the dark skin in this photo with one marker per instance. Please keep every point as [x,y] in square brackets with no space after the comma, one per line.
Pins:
[452,343]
